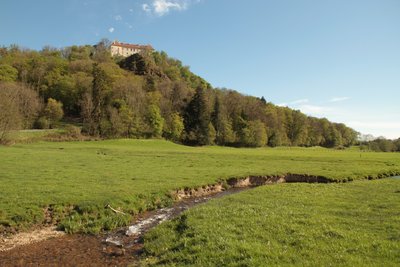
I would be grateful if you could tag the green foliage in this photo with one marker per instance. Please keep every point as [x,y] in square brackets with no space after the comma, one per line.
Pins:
[96,102]
[122,120]
[332,137]
[136,63]
[53,112]
[153,117]
[42,123]
[198,118]
[174,129]
[156,122]
[285,225]
[8,73]
[383,145]
[211,134]
[255,134]
[89,84]
[296,124]
[222,125]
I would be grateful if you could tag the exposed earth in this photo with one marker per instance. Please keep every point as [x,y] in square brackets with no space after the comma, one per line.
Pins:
[70,250]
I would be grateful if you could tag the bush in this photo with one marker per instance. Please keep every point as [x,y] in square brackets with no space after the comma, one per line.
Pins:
[42,123]
[73,131]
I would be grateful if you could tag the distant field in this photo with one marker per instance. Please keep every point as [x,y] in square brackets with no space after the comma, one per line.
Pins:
[349,224]
[75,180]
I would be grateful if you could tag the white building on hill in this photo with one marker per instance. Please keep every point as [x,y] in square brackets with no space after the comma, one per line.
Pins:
[126,50]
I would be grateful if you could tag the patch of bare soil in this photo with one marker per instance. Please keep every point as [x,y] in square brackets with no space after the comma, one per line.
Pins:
[20,239]
[70,250]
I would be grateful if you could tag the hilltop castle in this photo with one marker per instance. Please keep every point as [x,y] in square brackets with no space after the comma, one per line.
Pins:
[126,50]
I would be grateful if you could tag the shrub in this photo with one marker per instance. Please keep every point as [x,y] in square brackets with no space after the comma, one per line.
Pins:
[42,123]
[73,131]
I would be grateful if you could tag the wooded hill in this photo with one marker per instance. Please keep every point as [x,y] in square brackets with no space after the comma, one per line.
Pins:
[148,95]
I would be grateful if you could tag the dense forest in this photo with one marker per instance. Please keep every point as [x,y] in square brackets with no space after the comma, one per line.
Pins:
[147,95]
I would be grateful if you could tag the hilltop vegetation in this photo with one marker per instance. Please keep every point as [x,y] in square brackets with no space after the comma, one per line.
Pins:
[148,95]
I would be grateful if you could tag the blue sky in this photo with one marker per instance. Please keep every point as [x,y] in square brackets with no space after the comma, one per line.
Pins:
[336,59]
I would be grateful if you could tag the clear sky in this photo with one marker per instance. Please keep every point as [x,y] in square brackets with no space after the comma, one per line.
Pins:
[337,59]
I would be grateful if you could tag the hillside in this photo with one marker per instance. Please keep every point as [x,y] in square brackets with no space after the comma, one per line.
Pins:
[148,95]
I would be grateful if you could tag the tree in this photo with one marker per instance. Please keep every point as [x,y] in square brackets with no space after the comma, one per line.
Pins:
[382,145]
[53,111]
[397,144]
[349,136]
[275,126]
[296,127]
[94,103]
[135,63]
[174,129]
[10,117]
[332,137]
[8,73]
[19,106]
[197,119]
[153,116]
[255,134]
[155,120]
[101,52]
[223,127]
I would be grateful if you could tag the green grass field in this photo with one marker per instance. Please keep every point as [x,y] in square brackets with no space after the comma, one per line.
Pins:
[77,179]
[349,224]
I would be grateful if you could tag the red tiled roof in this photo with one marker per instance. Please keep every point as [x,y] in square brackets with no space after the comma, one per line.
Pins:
[134,46]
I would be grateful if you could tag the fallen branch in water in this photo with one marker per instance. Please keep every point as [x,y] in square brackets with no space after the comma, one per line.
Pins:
[114,210]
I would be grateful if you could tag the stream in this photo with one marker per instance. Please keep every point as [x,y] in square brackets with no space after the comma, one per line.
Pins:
[130,236]
[120,247]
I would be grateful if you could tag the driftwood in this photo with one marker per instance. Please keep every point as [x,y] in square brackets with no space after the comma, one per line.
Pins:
[114,210]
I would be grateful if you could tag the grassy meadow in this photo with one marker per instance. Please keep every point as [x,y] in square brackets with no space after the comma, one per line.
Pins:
[74,181]
[342,224]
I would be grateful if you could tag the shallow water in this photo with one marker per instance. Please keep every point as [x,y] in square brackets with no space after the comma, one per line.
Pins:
[129,236]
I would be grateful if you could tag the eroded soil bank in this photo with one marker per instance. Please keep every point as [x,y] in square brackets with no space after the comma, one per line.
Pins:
[123,246]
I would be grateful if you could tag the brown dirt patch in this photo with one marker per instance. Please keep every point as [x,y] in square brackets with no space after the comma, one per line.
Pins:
[70,250]
[20,239]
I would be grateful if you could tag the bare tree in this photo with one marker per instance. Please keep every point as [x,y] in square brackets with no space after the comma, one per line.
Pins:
[19,106]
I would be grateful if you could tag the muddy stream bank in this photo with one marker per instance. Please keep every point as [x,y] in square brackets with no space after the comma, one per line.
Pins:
[120,247]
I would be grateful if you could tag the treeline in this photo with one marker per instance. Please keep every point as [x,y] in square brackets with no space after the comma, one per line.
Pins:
[381,145]
[148,95]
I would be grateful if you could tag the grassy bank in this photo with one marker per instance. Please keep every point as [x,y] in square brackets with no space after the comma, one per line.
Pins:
[74,181]
[351,224]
